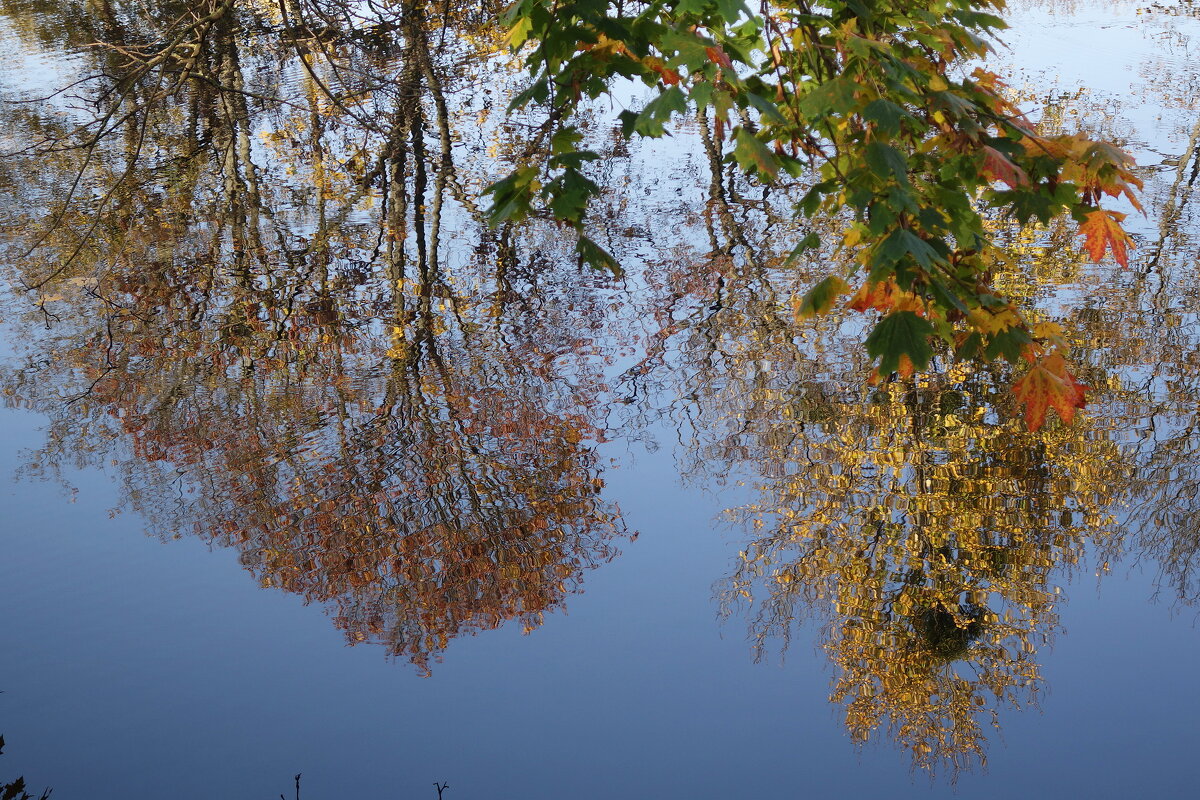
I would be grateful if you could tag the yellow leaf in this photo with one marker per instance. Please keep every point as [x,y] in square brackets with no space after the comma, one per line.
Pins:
[988,321]
[1048,330]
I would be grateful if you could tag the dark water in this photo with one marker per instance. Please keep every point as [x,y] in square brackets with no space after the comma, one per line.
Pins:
[256,415]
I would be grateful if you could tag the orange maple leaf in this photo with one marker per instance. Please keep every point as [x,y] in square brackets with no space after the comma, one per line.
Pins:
[719,56]
[878,295]
[1104,232]
[669,76]
[1049,384]
[885,295]
[1109,169]
[1124,188]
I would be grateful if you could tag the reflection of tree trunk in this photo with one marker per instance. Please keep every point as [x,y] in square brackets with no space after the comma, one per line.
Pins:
[719,201]
[716,187]
[233,138]
[1177,197]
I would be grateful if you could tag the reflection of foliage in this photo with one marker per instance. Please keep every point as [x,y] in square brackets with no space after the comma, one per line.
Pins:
[426,483]
[283,348]
[924,527]
[274,303]
[931,533]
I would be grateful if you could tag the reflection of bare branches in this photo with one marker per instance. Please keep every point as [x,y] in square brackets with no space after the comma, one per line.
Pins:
[278,334]
[182,35]
[1177,197]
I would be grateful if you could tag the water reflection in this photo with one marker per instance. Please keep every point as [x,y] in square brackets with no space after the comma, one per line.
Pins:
[432,490]
[917,520]
[258,285]
[293,360]
[928,535]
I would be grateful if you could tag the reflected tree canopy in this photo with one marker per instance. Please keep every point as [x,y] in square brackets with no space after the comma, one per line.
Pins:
[256,310]
[915,520]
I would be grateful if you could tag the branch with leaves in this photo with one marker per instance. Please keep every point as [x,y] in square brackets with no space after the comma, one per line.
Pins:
[868,106]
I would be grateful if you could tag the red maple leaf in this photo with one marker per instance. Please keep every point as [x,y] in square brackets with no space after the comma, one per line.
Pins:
[719,56]
[998,167]
[880,296]
[1049,384]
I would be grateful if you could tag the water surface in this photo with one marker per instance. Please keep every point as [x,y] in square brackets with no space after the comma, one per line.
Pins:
[308,479]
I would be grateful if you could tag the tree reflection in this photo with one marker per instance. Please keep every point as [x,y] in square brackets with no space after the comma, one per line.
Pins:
[932,538]
[258,317]
[926,529]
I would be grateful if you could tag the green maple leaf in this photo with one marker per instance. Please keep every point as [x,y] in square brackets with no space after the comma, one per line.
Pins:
[900,333]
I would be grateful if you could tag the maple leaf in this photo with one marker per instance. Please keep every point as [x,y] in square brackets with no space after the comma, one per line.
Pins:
[669,76]
[1103,231]
[719,56]
[1050,332]
[994,321]
[1097,167]
[879,296]
[898,335]
[1049,384]
[1111,171]
[519,32]
[820,299]
[1124,188]
[998,167]
[886,296]
[752,155]
[604,47]
[904,368]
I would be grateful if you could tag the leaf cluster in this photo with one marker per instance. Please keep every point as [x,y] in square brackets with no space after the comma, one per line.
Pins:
[867,104]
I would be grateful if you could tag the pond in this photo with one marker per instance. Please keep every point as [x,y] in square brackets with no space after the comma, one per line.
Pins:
[310,471]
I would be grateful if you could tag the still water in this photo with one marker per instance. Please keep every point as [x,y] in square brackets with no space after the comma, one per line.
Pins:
[311,480]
